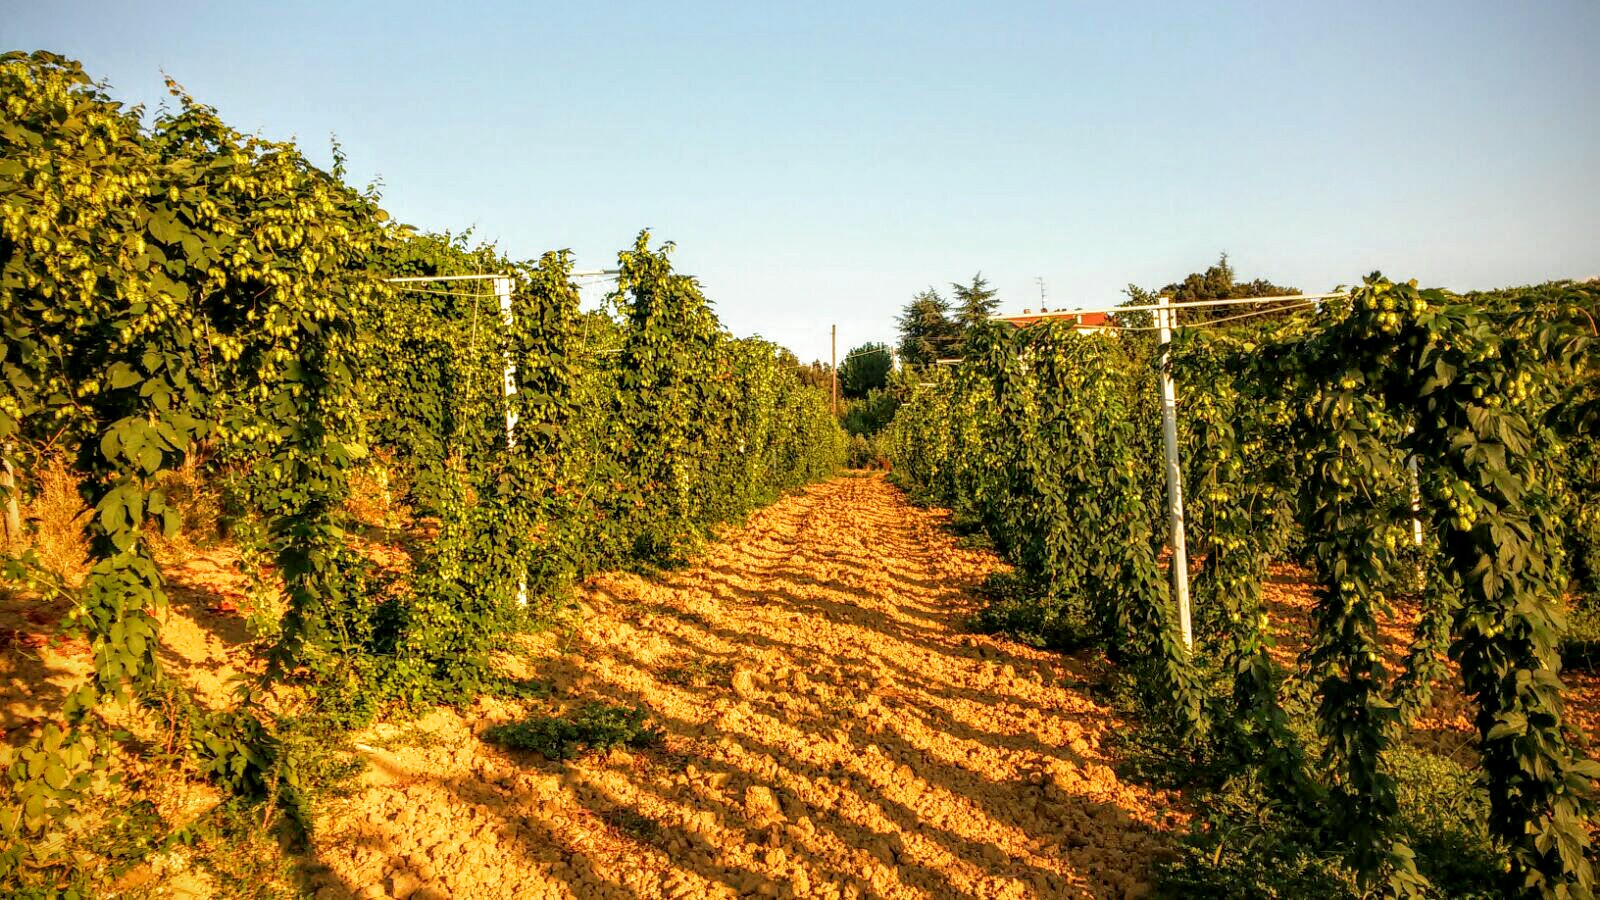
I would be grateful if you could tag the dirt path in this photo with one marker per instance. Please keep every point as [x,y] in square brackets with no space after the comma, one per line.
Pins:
[831,731]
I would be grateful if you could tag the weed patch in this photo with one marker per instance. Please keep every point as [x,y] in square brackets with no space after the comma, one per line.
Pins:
[594,728]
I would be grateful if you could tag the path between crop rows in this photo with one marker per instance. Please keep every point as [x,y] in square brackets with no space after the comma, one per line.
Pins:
[831,731]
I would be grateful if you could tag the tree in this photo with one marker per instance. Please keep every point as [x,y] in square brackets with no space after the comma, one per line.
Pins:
[974,303]
[815,373]
[1215,283]
[865,368]
[870,414]
[926,331]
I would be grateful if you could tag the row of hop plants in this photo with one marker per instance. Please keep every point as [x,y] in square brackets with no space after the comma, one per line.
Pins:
[180,294]
[1317,440]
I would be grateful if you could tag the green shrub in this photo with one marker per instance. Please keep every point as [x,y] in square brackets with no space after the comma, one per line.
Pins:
[1580,646]
[858,453]
[870,414]
[1446,813]
[1013,608]
[594,728]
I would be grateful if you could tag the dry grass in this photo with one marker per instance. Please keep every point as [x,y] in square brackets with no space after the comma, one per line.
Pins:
[53,515]
[205,646]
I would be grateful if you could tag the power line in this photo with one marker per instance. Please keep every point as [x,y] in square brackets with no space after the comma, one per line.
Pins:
[1210,322]
[884,350]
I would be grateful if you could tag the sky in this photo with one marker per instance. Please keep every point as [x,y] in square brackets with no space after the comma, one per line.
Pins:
[817,164]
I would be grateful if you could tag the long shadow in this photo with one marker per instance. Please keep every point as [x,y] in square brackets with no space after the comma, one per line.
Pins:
[939,720]
[996,801]
[901,815]
[319,879]
[836,612]
[691,848]
[586,872]
[544,839]
[953,692]
[684,642]
[925,639]
[801,580]
[205,607]
[29,630]
[956,781]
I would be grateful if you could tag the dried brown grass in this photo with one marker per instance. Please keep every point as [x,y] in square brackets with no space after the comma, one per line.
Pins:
[53,516]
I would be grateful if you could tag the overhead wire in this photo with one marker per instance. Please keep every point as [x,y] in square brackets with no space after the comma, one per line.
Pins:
[850,356]
[590,280]
[1296,307]
[1191,304]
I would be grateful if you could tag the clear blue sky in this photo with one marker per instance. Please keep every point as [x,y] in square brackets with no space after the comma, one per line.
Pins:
[821,162]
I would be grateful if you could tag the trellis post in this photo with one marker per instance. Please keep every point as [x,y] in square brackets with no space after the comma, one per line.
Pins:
[1165,316]
[502,290]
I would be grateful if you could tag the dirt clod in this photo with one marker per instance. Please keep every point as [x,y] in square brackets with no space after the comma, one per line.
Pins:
[402,884]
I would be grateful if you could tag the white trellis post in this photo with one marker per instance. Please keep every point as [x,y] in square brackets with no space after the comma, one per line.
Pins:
[1416,498]
[1165,316]
[502,290]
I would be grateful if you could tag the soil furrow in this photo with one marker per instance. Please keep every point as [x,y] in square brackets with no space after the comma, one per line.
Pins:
[830,730]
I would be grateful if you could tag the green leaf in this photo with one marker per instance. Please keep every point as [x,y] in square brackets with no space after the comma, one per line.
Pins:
[123,375]
[55,776]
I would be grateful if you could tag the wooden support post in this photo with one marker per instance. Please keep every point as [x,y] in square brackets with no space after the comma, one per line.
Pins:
[833,353]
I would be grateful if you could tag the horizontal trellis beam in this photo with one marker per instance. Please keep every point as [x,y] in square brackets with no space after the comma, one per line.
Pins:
[419,279]
[1151,307]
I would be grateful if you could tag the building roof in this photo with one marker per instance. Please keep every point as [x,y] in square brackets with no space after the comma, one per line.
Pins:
[1084,320]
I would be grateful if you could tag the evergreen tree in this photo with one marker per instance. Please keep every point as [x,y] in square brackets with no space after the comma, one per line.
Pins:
[926,331]
[974,303]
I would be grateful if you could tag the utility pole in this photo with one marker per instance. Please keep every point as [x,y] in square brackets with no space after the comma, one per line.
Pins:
[1165,319]
[833,355]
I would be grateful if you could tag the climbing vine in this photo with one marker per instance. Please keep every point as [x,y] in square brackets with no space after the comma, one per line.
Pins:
[1053,470]
[180,294]
[1485,483]
[1327,439]
[167,292]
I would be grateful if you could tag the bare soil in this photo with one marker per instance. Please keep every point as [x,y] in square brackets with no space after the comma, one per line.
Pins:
[831,730]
